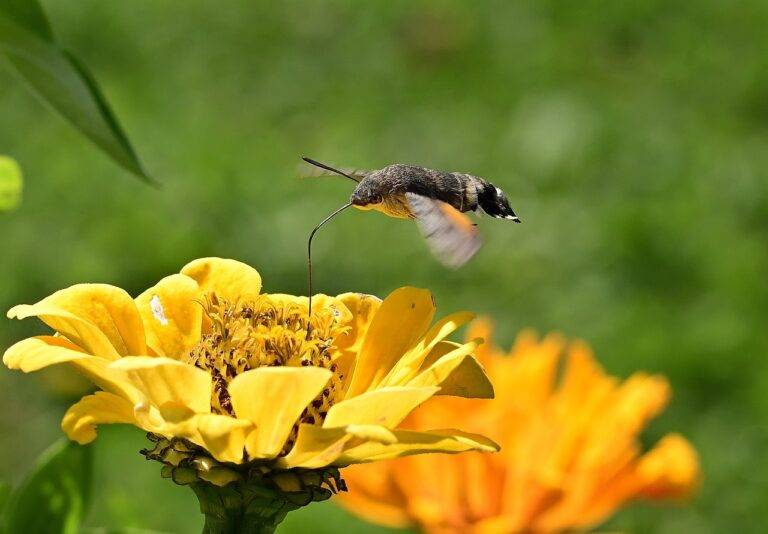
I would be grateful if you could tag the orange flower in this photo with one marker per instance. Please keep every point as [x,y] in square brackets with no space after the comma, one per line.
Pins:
[570,454]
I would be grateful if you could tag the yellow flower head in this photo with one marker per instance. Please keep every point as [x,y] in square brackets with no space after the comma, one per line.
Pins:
[206,363]
[570,450]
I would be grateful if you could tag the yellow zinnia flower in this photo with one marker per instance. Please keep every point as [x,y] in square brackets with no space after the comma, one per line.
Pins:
[570,452]
[233,384]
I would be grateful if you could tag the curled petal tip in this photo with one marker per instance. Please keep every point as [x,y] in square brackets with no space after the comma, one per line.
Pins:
[16,312]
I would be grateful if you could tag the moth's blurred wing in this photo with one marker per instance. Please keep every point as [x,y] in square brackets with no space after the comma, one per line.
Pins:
[450,234]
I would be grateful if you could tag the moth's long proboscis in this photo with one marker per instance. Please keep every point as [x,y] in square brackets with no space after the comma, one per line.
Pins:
[309,259]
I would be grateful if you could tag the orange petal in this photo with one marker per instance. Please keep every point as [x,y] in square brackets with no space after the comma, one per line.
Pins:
[374,496]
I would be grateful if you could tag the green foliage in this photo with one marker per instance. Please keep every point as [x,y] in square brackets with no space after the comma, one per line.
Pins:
[10,183]
[55,495]
[61,79]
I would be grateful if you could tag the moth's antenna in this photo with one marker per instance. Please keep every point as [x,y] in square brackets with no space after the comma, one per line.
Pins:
[309,258]
[329,168]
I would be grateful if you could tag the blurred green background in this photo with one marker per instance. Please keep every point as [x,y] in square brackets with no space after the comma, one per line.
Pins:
[632,138]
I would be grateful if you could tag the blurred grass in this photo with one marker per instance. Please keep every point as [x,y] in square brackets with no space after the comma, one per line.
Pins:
[631,138]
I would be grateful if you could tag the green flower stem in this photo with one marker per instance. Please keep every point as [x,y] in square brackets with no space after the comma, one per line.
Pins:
[241,508]
[258,504]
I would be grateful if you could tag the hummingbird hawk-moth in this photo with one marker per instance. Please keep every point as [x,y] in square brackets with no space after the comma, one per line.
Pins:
[436,200]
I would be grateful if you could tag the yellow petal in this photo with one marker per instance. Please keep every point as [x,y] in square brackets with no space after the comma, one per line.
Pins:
[223,436]
[230,279]
[408,366]
[400,321]
[80,421]
[445,327]
[273,399]
[379,434]
[172,315]
[410,442]
[319,301]
[315,447]
[385,406]
[440,349]
[363,308]
[35,353]
[171,420]
[458,374]
[168,384]
[100,318]
[38,352]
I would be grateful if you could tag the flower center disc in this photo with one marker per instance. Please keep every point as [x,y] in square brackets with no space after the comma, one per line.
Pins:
[269,330]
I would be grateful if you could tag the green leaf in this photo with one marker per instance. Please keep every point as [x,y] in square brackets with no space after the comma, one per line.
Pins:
[55,495]
[30,15]
[10,183]
[61,80]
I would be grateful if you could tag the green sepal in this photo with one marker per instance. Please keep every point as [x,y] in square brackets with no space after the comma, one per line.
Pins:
[241,498]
